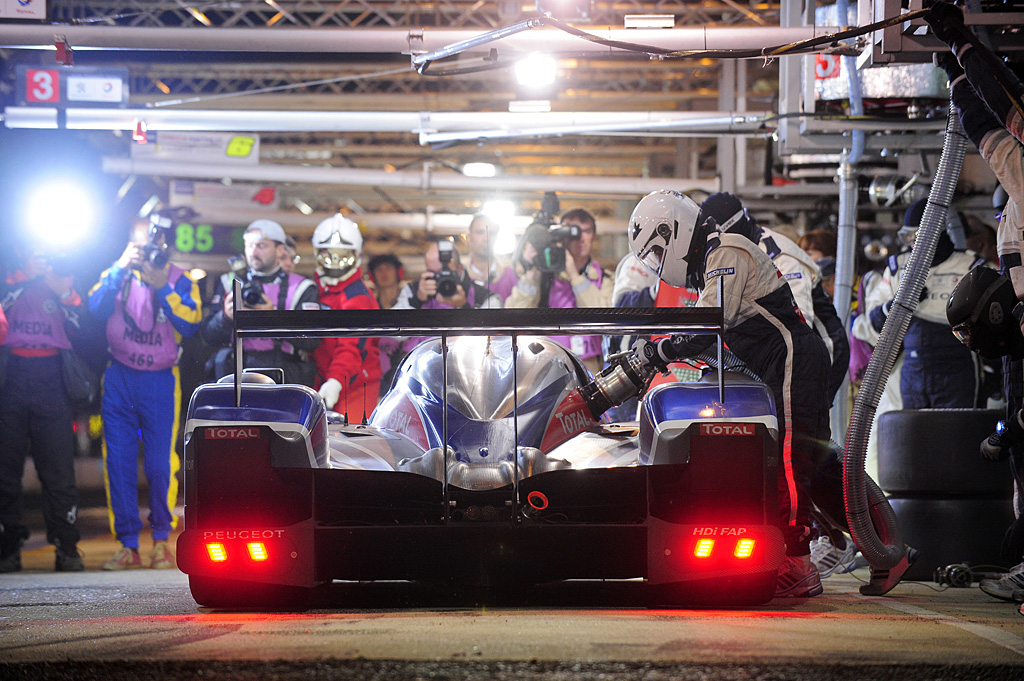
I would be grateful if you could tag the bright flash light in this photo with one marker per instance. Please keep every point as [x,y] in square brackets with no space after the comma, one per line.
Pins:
[217,552]
[479,170]
[536,70]
[257,551]
[505,241]
[498,209]
[61,213]
[744,548]
[703,548]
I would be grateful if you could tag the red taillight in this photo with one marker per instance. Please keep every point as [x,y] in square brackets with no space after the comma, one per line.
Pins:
[703,548]
[217,552]
[744,548]
[257,551]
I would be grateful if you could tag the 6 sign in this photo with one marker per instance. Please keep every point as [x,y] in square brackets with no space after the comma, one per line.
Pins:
[42,85]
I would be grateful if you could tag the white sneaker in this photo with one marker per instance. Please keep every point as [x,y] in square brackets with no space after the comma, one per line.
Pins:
[798,578]
[829,560]
[1009,587]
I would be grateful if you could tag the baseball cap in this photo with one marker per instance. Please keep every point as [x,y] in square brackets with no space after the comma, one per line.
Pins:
[267,229]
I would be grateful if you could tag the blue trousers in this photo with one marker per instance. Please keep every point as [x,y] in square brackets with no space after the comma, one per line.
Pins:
[147,404]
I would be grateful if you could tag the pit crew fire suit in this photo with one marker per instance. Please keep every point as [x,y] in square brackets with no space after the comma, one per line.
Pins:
[990,101]
[353,362]
[288,292]
[35,413]
[938,371]
[142,392]
[764,329]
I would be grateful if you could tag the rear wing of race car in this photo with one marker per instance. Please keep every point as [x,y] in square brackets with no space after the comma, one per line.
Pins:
[327,323]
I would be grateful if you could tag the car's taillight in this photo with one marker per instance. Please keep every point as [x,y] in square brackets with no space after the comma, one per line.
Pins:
[217,552]
[703,548]
[257,550]
[744,548]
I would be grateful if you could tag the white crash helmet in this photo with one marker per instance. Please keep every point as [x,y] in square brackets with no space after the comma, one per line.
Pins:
[661,231]
[338,245]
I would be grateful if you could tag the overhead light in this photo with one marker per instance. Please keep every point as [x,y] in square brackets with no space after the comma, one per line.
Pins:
[649,21]
[498,209]
[479,170]
[148,206]
[302,206]
[529,106]
[536,70]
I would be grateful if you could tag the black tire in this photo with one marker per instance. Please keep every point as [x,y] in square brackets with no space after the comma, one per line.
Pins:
[747,590]
[948,531]
[229,594]
[935,453]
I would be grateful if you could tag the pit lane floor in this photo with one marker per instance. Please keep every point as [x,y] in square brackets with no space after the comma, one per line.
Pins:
[143,624]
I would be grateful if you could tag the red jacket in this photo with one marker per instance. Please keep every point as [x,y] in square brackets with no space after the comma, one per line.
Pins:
[353,362]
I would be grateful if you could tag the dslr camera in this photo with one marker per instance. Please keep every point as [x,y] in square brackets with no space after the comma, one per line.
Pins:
[252,291]
[446,278]
[162,223]
[547,238]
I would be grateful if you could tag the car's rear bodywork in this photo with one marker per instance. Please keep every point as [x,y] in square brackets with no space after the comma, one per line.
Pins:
[282,495]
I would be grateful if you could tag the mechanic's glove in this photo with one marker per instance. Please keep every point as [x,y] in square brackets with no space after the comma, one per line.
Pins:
[330,391]
[947,61]
[1008,433]
[946,21]
[650,356]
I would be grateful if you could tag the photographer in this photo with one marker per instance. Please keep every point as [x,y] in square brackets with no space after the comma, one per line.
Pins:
[149,306]
[44,313]
[265,286]
[556,271]
[445,284]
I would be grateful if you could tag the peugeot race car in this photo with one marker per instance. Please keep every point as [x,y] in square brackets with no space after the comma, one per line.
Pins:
[485,465]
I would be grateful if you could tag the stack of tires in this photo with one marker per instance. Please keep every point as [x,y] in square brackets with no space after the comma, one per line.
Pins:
[952,504]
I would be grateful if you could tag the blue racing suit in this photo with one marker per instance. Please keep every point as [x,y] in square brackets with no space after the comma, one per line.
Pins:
[142,393]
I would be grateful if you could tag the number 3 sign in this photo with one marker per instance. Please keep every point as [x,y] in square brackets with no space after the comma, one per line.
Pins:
[42,85]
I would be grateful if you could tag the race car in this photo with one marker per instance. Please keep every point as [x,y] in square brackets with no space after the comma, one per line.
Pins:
[485,465]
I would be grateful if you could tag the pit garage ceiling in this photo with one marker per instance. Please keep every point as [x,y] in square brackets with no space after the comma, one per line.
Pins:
[282,70]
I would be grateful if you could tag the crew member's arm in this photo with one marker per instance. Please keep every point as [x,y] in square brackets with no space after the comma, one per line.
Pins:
[216,329]
[349,355]
[825,314]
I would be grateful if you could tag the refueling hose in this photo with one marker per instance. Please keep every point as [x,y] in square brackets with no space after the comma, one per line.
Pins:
[880,541]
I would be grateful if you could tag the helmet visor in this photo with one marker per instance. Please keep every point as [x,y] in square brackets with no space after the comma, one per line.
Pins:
[337,261]
[964,332]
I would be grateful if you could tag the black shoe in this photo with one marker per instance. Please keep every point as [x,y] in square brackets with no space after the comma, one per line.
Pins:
[68,562]
[11,562]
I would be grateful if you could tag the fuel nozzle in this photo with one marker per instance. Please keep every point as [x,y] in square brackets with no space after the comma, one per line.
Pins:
[624,377]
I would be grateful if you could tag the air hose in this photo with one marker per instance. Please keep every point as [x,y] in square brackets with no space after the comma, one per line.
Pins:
[880,541]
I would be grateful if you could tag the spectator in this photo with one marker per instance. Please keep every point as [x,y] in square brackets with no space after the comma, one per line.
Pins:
[149,306]
[266,286]
[799,271]
[386,273]
[348,369]
[582,283]
[483,268]
[291,255]
[818,243]
[988,98]
[40,310]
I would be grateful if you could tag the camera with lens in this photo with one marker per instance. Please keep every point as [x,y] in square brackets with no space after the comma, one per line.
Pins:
[547,238]
[446,278]
[252,291]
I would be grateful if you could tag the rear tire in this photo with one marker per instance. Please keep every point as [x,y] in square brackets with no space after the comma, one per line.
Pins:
[230,594]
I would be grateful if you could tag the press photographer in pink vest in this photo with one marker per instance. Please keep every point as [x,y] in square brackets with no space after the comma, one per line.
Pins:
[149,305]
[545,282]
[265,286]
[42,310]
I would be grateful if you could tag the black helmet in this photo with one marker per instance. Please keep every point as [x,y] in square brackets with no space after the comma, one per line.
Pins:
[980,310]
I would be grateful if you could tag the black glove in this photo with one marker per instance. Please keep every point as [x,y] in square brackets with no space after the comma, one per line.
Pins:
[947,62]
[1008,433]
[946,21]
[647,352]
